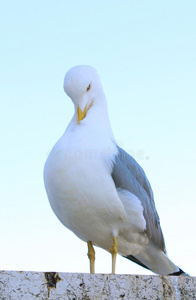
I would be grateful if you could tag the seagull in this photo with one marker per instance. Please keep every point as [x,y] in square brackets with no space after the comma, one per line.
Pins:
[96,189]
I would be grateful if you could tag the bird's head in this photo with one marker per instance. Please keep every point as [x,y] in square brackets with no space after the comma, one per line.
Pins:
[80,83]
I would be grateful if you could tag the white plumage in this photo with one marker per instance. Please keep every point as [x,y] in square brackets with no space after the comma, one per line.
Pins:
[96,189]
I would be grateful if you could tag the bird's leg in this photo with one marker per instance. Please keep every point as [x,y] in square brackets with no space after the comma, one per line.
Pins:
[91,256]
[114,251]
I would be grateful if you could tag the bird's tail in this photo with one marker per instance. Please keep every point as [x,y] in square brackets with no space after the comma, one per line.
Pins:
[157,261]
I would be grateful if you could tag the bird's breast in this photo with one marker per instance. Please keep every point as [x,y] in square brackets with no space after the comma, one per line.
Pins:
[80,188]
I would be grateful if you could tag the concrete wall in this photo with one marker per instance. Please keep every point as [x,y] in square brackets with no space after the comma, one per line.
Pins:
[59,286]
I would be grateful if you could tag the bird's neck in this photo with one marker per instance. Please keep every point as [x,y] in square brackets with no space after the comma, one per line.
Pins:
[97,117]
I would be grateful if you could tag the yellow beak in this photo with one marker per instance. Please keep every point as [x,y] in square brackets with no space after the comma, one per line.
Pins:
[81,114]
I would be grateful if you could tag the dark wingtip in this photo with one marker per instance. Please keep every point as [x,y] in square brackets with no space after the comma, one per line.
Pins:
[178,273]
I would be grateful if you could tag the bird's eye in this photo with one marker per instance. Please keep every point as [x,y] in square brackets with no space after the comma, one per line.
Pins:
[88,88]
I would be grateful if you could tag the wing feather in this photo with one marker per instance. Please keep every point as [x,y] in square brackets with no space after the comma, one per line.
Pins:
[127,174]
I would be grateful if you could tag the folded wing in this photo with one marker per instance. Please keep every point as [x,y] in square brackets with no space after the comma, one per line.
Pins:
[127,174]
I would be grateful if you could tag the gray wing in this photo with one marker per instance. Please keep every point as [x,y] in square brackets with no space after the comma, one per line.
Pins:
[127,174]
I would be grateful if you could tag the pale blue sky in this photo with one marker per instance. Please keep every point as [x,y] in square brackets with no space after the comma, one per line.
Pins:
[144,52]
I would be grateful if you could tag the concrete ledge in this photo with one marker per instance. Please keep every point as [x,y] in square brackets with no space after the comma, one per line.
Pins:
[58,286]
